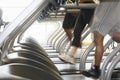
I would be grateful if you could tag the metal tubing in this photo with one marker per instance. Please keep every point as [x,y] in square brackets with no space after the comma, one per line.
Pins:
[81,6]
[24,20]
[107,60]
[84,56]
[115,61]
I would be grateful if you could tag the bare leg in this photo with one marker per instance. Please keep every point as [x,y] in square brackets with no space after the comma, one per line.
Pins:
[95,70]
[69,33]
[116,37]
[98,38]
[73,50]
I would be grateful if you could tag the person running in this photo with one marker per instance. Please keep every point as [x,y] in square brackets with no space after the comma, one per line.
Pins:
[106,21]
[75,25]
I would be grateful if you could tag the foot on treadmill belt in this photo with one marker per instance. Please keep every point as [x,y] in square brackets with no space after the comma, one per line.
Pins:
[92,73]
[66,58]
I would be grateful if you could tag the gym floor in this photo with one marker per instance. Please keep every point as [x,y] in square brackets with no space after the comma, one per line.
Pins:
[69,71]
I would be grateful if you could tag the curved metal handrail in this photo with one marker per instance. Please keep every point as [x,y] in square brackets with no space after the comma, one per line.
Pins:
[112,66]
[107,60]
[84,55]
[60,42]
[53,34]
[81,6]
[63,44]
[58,37]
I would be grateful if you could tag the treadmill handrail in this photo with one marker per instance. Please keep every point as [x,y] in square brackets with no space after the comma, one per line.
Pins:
[113,64]
[107,60]
[80,6]
[23,18]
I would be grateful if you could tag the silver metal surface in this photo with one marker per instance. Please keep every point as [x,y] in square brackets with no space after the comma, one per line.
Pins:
[24,20]
[114,62]
[107,61]
[81,6]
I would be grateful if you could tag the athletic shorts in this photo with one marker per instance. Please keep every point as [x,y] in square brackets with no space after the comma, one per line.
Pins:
[107,17]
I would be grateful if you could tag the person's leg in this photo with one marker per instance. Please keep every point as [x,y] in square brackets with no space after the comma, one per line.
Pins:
[76,43]
[72,50]
[98,39]
[79,27]
[68,57]
[116,37]
[69,33]
[95,69]
[104,20]
[84,18]
[68,25]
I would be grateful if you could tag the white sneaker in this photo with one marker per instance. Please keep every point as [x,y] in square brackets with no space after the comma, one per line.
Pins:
[67,58]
